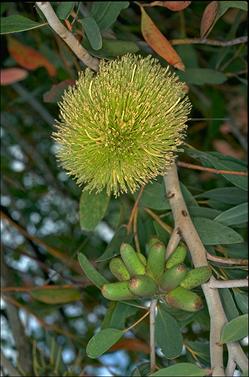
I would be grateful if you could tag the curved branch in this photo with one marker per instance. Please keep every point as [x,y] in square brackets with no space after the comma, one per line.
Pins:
[210,42]
[198,253]
[54,22]
[228,283]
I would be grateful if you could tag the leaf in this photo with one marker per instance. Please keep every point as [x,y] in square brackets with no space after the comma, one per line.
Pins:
[215,10]
[92,31]
[112,48]
[229,195]
[241,301]
[208,18]
[55,93]
[219,161]
[168,334]
[235,215]
[228,303]
[181,369]
[114,246]
[64,9]
[105,13]
[102,342]
[90,271]
[235,330]
[154,196]
[54,295]
[201,76]
[17,23]
[209,213]
[11,75]
[92,209]
[175,6]
[213,233]
[29,58]
[157,41]
[117,315]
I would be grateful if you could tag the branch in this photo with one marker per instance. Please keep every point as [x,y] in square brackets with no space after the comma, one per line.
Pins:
[210,170]
[173,242]
[228,283]
[152,335]
[230,261]
[211,42]
[53,21]
[198,253]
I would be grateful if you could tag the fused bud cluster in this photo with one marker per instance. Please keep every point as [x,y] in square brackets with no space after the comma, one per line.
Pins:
[121,128]
[140,277]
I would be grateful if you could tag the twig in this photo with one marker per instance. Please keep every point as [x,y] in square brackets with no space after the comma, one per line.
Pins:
[211,42]
[228,283]
[136,239]
[154,216]
[230,261]
[231,365]
[6,364]
[137,322]
[173,242]
[133,211]
[237,354]
[153,305]
[210,170]
[50,15]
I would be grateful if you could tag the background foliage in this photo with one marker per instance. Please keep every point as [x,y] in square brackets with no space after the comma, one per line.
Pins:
[45,219]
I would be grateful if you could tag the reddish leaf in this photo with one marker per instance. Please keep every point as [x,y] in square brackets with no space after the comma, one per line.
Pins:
[55,93]
[175,6]
[11,75]
[157,41]
[29,58]
[208,18]
[135,345]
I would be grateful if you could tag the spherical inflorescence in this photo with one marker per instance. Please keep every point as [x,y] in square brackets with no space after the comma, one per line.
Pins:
[121,128]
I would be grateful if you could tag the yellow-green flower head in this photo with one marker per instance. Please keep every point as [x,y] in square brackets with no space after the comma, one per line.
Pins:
[121,128]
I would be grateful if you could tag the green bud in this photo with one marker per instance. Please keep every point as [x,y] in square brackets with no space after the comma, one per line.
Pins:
[184,299]
[143,286]
[156,260]
[117,291]
[196,277]
[177,257]
[131,260]
[118,269]
[173,277]
[142,258]
[152,241]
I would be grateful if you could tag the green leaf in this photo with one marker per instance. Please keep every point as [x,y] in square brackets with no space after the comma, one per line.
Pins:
[181,369]
[17,23]
[213,233]
[229,195]
[196,211]
[241,301]
[54,295]
[92,274]
[92,209]
[228,303]
[111,48]
[102,342]
[235,215]
[64,9]
[92,31]
[168,334]
[154,196]
[118,314]
[201,76]
[114,246]
[219,161]
[225,5]
[106,12]
[235,330]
